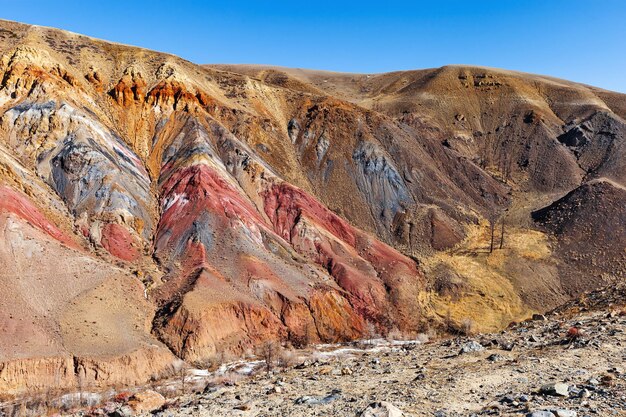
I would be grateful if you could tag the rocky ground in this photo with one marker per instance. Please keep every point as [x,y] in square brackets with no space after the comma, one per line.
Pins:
[533,368]
[568,363]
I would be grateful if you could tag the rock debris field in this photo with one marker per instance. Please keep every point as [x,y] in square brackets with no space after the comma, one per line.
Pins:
[559,365]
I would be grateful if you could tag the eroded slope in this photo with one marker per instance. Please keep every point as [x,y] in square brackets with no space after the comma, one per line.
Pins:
[204,210]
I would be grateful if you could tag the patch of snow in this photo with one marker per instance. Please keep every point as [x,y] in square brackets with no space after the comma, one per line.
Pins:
[173,199]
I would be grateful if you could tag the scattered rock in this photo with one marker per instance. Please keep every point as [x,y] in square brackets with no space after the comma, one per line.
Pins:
[607,380]
[471,346]
[557,389]
[325,370]
[574,333]
[276,389]
[382,409]
[124,411]
[303,365]
[314,400]
[419,377]
[506,345]
[542,413]
[146,401]
[507,399]
[561,412]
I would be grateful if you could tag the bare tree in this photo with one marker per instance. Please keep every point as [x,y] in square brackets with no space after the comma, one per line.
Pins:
[268,353]
[493,220]
[467,326]
[508,168]
[182,374]
[448,321]
[502,233]
[370,332]
[303,340]
[505,161]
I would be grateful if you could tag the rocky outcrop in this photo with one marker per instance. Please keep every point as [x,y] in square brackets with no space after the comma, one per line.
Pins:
[378,179]
[598,142]
[214,189]
[102,182]
[65,373]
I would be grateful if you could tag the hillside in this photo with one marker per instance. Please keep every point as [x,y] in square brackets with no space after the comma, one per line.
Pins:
[153,210]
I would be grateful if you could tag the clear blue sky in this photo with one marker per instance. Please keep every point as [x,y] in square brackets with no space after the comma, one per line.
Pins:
[579,40]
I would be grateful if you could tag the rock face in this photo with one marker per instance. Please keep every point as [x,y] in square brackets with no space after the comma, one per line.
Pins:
[153,210]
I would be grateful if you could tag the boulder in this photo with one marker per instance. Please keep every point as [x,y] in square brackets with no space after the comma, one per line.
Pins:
[471,346]
[382,409]
[541,413]
[562,412]
[557,389]
[146,401]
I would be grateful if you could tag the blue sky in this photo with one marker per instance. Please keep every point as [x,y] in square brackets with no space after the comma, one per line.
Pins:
[582,41]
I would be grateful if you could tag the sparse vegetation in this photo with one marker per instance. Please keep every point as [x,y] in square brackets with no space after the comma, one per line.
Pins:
[371,332]
[269,352]
[467,327]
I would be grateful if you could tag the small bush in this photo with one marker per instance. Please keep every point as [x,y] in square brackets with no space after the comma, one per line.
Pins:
[467,327]
[422,338]
[448,284]
[395,334]
[286,358]
[370,332]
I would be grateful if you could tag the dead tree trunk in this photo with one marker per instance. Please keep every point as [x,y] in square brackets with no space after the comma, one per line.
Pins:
[502,234]
[492,230]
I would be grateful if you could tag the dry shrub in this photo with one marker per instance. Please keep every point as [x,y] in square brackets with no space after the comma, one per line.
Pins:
[220,358]
[395,334]
[302,340]
[370,332]
[422,338]
[228,379]
[286,358]
[420,335]
[466,327]
[447,283]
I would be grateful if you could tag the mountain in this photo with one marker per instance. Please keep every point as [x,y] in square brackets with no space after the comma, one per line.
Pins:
[153,210]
